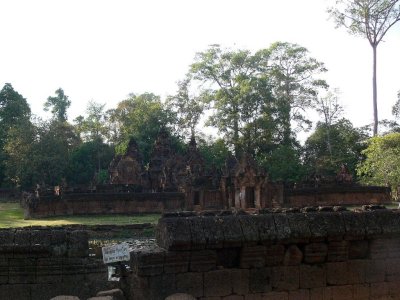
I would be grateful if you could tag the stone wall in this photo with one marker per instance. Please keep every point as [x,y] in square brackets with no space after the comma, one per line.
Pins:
[97,203]
[40,264]
[292,255]
[338,195]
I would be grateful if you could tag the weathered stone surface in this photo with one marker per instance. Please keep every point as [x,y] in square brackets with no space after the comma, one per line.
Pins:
[283,232]
[260,280]
[285,278]
[250,229]
[180,296]
[299,295]
[299,228]
[240,281]
[252,257]
[191,283]
[218,283]
[312,276]
[176,261]
[337,273]
[274,254]
[174,234]
[356,271]
[339,292]
[213,232]
[233,235]
[293,256]
[354,223]
[358,249]
[203,260]
[228,257]
[266,228]
[315,253]
[78,243]
[338,250]
[375,271]
[197,232]
[148,261]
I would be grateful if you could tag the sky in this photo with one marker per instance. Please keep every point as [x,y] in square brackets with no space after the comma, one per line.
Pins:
[103,50]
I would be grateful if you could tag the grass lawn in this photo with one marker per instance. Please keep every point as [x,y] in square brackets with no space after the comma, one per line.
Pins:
[12,215]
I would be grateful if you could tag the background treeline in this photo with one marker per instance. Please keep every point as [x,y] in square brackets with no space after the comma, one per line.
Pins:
[257,103]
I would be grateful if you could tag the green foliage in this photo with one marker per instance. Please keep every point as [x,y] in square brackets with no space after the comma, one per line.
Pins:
[141,117]
[89,162]
[382,161]
[58,105]
[330,146]
[214,152]
[14,130]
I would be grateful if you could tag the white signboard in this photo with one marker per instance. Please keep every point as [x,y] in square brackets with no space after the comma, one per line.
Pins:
[116,253]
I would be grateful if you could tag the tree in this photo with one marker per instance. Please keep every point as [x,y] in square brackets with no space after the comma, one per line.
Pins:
[295,86]
[141,117]
[236,90]
[58,105]
[345,147]
[188,107]
[371,19]
[382,161]
[93,126]
[14,114]
[330,109]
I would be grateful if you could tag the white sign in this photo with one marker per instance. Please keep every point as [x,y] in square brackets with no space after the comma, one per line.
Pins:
[116,253]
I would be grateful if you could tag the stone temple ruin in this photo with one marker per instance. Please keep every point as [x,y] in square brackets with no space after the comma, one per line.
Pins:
[174,182]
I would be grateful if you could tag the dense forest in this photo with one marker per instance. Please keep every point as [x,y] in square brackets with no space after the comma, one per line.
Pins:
[258,103]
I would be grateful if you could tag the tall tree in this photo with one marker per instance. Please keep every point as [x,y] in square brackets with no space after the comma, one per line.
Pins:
[236,89]
[58,105]
[295,84]
[371,19]
[14,114]
[188,106]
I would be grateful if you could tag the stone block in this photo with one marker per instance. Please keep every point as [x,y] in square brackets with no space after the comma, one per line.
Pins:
[49,270]
[285,278]
[299,295]
[358,249]
[338,251]
[394,289]
[15,291]
[78,245]
[148,262]
[283,230]
[274,254]
[392,269]
[252,257]
[354,223]
[293,256]
[299,228]
[6,238]
[22,238]
[218,283]
[203,260]
[173,233]
[180,296]
[101,298]
[379,290]
[64,297]
[228,257]
[176,261]
[197,232]
[260,280]
[375,271]
[275,296]
[22,271]
[373,228]
[356,271]
[312,276]
[233,235]
[213,232]
[240,281]
[190,283]
[315,253]
[250,229]
[161,286]
[266,228]
[338,292]
[317,293]
[233,297]
[253,297]
[384,248]
[336,273]
[361,291]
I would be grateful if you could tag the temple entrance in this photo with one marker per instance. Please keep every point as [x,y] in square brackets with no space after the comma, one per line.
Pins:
[250,197]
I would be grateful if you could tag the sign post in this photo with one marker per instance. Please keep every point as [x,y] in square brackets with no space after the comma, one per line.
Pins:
[113,256]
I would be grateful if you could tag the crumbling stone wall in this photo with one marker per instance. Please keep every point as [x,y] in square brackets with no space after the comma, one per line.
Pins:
[288,255]
[38,264]
[97,203]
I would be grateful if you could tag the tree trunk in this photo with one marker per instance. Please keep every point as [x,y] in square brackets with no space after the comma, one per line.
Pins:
[374,91]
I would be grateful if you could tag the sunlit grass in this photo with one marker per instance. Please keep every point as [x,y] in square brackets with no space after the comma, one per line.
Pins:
[12,215]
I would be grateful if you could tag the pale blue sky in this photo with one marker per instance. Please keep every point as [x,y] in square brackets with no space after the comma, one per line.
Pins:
[103,50]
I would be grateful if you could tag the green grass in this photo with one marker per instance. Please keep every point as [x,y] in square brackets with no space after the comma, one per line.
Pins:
[12,215]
